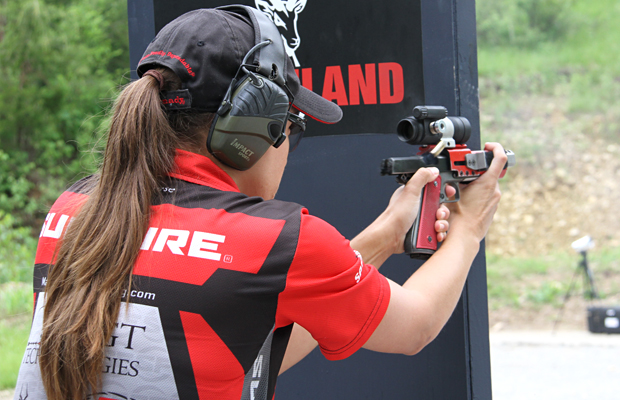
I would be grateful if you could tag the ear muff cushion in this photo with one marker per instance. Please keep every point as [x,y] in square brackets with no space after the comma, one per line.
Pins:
[265,100]
[255,122]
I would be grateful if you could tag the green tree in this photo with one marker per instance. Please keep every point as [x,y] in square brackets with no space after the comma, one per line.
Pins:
[62,61]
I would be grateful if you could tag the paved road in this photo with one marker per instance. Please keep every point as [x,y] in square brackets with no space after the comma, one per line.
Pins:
[567,365]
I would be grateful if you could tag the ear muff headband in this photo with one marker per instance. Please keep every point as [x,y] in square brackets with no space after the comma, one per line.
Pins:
[226,103]
[254,111]
[270,58]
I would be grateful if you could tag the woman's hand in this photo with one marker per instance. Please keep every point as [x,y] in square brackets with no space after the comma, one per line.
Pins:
[473,213]
[405,203]
[442,224]
[386,235]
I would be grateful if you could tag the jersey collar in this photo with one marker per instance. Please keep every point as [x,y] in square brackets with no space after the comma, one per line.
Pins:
[196,168]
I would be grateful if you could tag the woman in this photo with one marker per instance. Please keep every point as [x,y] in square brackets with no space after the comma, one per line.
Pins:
[172,274]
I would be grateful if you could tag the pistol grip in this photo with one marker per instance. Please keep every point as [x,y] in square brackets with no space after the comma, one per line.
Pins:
[421,239]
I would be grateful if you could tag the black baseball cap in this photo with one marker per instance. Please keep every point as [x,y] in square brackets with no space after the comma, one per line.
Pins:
[206,47]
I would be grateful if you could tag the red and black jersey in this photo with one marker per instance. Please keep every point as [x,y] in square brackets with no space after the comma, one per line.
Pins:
[218,283]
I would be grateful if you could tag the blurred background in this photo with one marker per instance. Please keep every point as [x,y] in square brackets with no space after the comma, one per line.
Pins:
[549,90]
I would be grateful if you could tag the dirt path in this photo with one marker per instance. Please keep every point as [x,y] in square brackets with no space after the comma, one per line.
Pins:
[565,365]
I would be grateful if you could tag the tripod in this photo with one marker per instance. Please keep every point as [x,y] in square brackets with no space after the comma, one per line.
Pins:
[589,293]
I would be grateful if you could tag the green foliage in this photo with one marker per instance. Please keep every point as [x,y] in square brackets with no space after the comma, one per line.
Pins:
[565,50]
[584,36]
[17,249]
[15,188]
[61,62]
[523,23]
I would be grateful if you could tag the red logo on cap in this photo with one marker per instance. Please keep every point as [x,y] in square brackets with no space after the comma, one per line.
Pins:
[178,100]
[169,54]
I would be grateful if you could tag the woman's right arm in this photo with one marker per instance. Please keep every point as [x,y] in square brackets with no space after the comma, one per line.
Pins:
[419,308]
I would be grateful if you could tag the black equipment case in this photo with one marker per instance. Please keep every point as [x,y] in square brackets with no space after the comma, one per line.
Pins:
[604,319]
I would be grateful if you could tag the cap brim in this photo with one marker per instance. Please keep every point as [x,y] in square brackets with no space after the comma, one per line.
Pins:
[317,107]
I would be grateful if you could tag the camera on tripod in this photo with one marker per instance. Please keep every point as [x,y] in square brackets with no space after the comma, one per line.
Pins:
[601,319]
[582,245]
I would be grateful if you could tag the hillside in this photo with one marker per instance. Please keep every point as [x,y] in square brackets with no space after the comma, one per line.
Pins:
[549,90]
[566,185]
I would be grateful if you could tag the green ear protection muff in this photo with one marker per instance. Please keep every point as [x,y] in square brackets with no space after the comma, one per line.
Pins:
[254,111]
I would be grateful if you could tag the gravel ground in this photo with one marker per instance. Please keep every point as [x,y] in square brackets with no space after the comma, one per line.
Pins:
[566,365]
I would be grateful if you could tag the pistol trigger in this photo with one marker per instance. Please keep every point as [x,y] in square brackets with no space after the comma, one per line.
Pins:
[457,195]
[442,195]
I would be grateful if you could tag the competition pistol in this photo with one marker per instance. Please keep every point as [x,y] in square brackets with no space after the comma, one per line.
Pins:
[442,145]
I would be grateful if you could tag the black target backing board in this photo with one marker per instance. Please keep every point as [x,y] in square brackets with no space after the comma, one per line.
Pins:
[377,60]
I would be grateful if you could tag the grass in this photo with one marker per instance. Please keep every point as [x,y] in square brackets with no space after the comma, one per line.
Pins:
[15,317]
[544,280]
[17,249]
[13,339]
